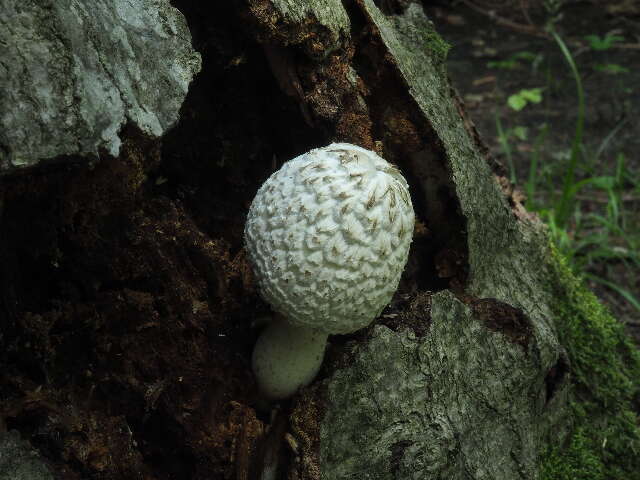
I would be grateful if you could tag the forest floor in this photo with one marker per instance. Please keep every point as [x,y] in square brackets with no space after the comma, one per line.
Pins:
[520,92]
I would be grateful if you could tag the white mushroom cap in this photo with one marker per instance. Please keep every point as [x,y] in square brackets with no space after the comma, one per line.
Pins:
[328,236]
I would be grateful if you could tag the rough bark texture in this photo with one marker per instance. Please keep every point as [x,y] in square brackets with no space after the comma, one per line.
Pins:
[437,406]
[74,73]
[129,310]
[19,461]
[440,406]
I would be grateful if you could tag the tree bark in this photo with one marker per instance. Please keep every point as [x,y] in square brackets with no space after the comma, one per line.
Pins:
[130,311]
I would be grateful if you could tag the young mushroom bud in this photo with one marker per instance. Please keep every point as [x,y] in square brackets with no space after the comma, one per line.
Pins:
[328,237]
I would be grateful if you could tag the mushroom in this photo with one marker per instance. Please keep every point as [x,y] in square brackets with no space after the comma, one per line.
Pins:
[328,237]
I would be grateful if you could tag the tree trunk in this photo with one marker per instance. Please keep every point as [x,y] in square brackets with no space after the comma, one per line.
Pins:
[129,309]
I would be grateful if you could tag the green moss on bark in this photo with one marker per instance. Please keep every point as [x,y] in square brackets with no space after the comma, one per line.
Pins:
[436,44]
[605,369]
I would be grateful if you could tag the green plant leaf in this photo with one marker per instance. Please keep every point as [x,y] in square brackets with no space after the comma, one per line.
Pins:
[509,64]
[610,68]
[565,204]
[520,132]
[516,102]
[512,63]
[603,43]
[519,100]
[623,292]
[525,55]
[533,95]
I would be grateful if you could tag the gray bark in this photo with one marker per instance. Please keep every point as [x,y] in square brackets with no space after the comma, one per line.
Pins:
[440,406]
[73,73]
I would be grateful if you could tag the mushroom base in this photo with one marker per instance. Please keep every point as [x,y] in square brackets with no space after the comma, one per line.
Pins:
[286,358]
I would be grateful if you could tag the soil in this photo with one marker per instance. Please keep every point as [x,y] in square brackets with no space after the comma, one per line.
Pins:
[500,48]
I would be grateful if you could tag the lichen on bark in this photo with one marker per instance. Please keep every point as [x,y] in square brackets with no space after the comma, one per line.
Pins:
[74,74]
[437,406]
[329,13]
[320,26]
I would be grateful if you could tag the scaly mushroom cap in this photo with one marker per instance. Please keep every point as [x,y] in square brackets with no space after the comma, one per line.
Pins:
[328,236]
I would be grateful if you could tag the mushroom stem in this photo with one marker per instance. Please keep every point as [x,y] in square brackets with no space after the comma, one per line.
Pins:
[286,358]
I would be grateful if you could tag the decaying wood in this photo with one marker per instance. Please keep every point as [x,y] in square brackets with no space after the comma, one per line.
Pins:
[131,310]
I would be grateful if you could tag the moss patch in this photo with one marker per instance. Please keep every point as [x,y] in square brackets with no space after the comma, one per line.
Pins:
[605,366]
[436,44]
